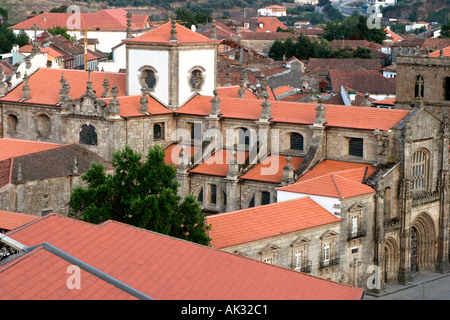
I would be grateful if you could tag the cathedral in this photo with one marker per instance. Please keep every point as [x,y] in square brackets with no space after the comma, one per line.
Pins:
[235,148]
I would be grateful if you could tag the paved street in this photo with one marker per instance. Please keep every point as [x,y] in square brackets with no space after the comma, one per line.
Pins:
[435,286]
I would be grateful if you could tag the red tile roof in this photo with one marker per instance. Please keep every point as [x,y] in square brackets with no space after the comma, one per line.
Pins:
[262,222]
[299,113]
[162,267]
[217,164]
[44,85]
[174,150]
[446,52]
[361,80]
[334,185]
[50,51]
[271,169]
[161,34]
[130,106]
[336,179]
[270,24]
[106,20]
[41,275]
[11,148]
[11,220]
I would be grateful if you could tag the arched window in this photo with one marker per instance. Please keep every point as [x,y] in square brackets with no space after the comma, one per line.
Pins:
[244,137]
[296,142]
[418,87]
[43,126]
[88,135]
[419,170]
[11,123]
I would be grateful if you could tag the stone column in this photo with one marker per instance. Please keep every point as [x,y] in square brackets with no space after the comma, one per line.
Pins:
[232,184]
[182,173]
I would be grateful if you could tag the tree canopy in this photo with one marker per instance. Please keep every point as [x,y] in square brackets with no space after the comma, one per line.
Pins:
[353,28]
[303,48]
[139,193]
[8,38]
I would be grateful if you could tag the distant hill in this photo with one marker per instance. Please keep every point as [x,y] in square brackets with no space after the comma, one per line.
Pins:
[417,10]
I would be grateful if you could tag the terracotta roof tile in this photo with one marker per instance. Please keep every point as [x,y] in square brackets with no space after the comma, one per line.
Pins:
[271,169]
[262,222]
[44,85]
[337,179]
[217,164]
[105,20]
[445,53]
[161,34]
[11,220]
[361,80]
[299,113]
[168,268]
[11,148]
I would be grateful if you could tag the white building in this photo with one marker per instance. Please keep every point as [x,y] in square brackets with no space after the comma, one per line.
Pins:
[272,11]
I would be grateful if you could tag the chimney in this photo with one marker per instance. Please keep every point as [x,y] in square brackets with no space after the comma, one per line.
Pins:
[352,95]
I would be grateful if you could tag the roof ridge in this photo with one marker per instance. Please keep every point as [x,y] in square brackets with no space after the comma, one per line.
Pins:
[335,185]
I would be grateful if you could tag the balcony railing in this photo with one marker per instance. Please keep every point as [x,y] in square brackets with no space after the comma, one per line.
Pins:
[358,233]
[333,260]
[305,266]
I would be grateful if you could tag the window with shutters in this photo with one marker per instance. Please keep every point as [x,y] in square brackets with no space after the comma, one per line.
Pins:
[355,147]
[419,170]
[196,131]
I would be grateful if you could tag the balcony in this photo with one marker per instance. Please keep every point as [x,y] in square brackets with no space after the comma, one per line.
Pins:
[333,260]
[358,233]
[304,267]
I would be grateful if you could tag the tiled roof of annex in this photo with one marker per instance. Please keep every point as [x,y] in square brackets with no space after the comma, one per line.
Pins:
[162,267]
[276,219]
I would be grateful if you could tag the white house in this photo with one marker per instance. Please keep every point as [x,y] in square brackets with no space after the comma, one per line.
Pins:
[272,11]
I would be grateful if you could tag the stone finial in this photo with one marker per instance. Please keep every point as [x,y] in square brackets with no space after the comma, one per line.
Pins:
[288,172]
[89,89]
[441,53]
[241,91]
[320,114]
[366,102]
[28,62]
[233,166]
[173,33]
[106,87]
[143,102]
[114,110]
[213,29]
[64,98]
[427,52]
[183,160]
[266,109]
[26,88]
[215,105]
[35,48]
[19,173]
[129,30]
[263,85]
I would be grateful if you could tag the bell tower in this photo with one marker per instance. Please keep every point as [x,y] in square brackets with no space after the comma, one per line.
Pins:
[172,63]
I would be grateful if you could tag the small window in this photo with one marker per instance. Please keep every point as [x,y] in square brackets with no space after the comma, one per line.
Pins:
[196,79]
[447,88]
[157,131]
[326,253]
[88,135]
[213,194]
[355,147]
[265,197]
[150,79]
[296,141]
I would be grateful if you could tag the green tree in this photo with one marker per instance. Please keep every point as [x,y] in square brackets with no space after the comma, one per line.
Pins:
[58,30]
[139,193]
[445,30]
